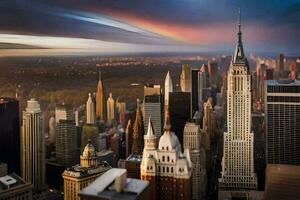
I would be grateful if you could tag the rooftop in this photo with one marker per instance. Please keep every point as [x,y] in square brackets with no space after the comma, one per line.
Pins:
[287,82]
[105,186]
[282,182]
[10,181]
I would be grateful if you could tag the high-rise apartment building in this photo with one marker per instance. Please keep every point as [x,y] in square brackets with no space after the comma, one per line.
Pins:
[166,168]
[90,111]
[99,99]
[192,140]
[10,134]
[238,155]
[67,152]
[153,107]
[282,117]
[185,78]
[33,145]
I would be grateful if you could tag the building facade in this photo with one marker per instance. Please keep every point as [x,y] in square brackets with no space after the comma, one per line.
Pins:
[67,151]
[282,117]
[33,146]
[166,168]
[80,176]
[10,134]
[180,112]
[185,78]
[153,107]
[238,155]
[192,140]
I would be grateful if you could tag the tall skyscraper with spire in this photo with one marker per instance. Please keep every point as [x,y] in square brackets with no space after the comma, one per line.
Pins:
[238,162]
[90,111]
[99,98]
[33,145]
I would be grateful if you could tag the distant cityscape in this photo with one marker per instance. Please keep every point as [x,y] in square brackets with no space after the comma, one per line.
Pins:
[151,127]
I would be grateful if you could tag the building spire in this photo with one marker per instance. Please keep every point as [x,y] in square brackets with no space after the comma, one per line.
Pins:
[239,55]
[100,75]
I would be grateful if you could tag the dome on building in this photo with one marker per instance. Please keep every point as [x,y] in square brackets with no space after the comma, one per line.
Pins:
[169,141]
[89,150]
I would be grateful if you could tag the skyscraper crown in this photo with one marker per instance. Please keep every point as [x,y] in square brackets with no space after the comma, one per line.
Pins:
[239,55]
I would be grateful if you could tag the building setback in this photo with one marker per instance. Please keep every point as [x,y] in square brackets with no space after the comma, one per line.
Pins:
[238,155]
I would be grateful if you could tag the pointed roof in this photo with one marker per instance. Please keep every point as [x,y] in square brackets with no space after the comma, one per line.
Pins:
[168,82]
[100,75]
[239,55]
[150,131]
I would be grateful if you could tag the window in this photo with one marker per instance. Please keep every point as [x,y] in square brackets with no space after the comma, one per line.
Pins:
[163,158]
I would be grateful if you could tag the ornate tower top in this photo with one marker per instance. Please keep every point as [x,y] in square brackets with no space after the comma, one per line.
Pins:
[239,55]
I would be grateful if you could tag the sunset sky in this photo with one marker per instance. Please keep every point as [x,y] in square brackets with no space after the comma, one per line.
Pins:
[133,26]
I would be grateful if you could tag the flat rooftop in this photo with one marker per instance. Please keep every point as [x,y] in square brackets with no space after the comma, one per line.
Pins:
[104,187]
[282,182]
[286,82]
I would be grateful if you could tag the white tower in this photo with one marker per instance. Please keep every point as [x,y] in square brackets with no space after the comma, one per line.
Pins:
[90,111]
[168,88]
[110,108]
[33,145]
[237,162]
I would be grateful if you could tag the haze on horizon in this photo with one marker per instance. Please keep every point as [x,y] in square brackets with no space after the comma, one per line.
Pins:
[53,27]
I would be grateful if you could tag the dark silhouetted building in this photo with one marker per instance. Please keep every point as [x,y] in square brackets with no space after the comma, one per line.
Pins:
[10,134]
[195,91]
[179,108]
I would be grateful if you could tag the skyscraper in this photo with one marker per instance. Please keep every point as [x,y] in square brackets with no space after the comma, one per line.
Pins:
[33,145]
[202,83]
[213,73]
[99,98]
[185,78]
[90,111]
[67,152]
[153,107]
[238,161]
[168,88]
[110,108]
[209,119]
[282,116]
[180,112]
[128,133]
[64,112]
[166,168]
[138,132]
[194,91]
[10,134]
[192,140]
